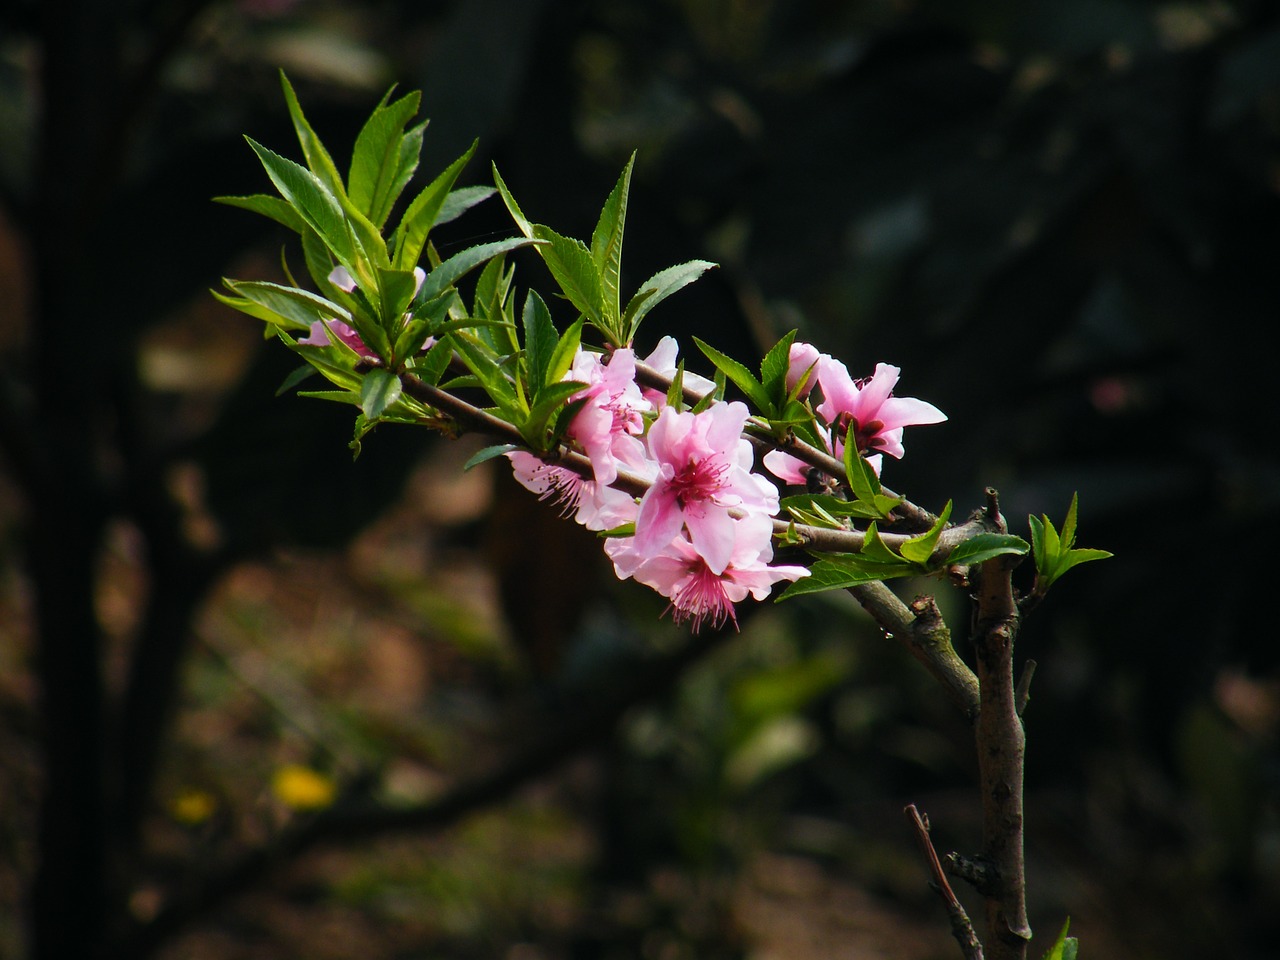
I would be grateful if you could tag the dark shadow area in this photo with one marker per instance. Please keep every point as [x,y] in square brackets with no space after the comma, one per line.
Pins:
[261,699]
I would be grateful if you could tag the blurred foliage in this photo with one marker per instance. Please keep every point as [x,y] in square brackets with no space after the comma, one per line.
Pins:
[1058,217]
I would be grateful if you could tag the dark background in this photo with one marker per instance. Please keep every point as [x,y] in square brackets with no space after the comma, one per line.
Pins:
[1061,219]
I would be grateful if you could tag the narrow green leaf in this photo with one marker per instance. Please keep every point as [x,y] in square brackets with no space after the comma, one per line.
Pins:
[984,546]
[549,401]
[295,378]
[739,374]
[460,201]
[522,222]
[1073,558]
[485,366]
[606,245]
[540,338]
[571,264]
[396,289]
[421,216]
[313,200]
[565,350]
[379,390]
[1069,525]
[675,393]
[920,549]
[1064,947]
[656,289]
[377,174]
[773,370]
[318,160]
[1037,544]
[277,209]
[488,453]
[457,266]
[840,571]
[297,309]
[863,481]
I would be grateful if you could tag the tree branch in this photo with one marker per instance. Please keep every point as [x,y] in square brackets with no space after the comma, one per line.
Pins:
[921,630]
[1001,744]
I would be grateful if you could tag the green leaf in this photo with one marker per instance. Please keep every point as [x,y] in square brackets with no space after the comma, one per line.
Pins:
[379,390]
[1069,525]
[566,349]
[316,203]
[485,366]
[739,374]
[396,289]
[1074,558]
[277,209]
[522,222]
[293,308]
[773,370]
[488,453]
[1064,948]
[863,481]
[431,367]
[920,549]
[318,160]
[460,201]
[540,339]
[571,263]
[606,245]
[984,546]
[378,165]
[873,548]
[840,571]
[1054,554]
[295,378]
[656,289]
[457,266]
[549,401]
[424,211]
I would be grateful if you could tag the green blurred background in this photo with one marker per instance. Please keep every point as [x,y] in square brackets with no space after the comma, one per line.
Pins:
[1060,218]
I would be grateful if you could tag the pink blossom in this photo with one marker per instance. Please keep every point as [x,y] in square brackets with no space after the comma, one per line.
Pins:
[318,338]
[608,425]
[663,361]
[869,406]
[594,505]
[801,363]
[696,591]
[703,477]
[793,470]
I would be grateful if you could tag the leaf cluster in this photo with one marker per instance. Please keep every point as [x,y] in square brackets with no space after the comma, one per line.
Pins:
[1056,553]
[590,277]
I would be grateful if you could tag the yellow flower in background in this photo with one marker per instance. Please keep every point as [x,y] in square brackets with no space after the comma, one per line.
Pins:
[301,788]
[193,806]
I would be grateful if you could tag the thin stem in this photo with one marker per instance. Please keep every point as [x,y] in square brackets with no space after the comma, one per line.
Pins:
[961,926]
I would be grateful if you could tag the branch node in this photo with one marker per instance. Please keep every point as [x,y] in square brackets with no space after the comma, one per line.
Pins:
[977,871]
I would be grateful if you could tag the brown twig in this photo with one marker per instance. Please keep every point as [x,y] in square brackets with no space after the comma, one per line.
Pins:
[961,926]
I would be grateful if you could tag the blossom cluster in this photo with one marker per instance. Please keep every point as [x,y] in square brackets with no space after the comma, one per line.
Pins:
[701,534]
[867,406]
